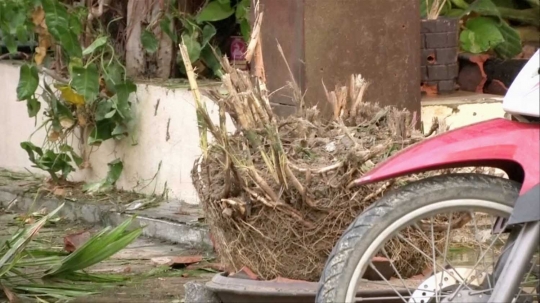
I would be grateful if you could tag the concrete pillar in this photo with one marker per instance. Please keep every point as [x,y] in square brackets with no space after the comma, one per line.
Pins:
[330,40]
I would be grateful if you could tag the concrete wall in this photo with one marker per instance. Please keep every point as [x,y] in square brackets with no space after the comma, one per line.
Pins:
[461,109]
[169,135]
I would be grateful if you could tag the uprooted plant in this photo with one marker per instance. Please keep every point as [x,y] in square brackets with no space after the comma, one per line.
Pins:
[277,192]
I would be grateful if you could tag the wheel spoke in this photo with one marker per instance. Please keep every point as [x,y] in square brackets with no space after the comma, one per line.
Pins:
[434,259]
[385,280]
[397,272]
[445,262]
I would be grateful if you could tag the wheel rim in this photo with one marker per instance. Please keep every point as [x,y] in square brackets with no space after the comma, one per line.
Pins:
[458,205]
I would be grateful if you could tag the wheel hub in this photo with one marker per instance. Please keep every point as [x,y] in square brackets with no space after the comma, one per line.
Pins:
[448,281]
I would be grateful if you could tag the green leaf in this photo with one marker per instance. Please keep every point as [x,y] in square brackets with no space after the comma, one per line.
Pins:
[69,42]
[58,24]
[242,9]
[56,16]
[99,42]
[484,7]
[455,13]
[31,149]
[462,4]
[22,34]
[75,23]
[104,110]
[208,32]
[215,11]
[28,82]
[101,132]
[480,35]
[122,105]
[68,149]
[86,82]
[503,3]
[149,41]
[11,43]
[21,240]
[166,25]
[113,76]
[33,106]
[245,29]
[120,131]
[100,247]
[211,61]
[193,46]
[511,46]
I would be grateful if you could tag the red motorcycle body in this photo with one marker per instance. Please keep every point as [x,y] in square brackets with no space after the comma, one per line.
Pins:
[511,146]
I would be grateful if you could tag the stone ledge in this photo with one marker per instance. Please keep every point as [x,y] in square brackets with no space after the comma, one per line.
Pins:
[460,98]
[186,230]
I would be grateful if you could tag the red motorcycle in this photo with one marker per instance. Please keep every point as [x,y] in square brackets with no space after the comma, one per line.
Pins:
[507,230]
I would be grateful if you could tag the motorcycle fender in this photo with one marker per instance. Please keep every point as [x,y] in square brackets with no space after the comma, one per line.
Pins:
[509,145]
[527,207]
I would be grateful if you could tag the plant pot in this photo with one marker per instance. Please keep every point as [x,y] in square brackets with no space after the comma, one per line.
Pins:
[439,60]
[237,51]
[238,290]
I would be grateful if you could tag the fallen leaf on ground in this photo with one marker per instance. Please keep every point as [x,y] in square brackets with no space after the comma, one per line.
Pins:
[59,191]
[177,261]
[186,260]
[161,261]
[74,241]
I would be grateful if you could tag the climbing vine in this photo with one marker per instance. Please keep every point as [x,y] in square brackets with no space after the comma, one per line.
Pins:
[77,78]
[85,93]
[198,30]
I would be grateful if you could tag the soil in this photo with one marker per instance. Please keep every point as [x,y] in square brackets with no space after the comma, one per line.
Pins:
[168,289]
[72,191]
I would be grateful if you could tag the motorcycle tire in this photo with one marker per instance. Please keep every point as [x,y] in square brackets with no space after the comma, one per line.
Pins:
[430,193]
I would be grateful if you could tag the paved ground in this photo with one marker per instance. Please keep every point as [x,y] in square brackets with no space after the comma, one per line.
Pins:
[148,281]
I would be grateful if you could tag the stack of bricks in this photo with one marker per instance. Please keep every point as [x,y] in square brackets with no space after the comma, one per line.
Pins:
[440,47]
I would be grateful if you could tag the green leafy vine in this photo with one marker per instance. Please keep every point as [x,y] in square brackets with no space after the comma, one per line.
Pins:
[486,23]
[85,93]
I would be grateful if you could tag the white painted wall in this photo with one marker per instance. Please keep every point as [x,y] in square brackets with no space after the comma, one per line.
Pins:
[178,152]
[141,160]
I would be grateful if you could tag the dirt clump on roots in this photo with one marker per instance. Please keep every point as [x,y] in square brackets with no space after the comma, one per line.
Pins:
[277,192]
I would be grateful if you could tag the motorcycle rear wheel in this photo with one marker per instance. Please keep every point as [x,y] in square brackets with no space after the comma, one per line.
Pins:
[367,234]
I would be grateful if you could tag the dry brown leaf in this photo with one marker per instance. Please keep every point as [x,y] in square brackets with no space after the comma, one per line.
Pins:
[74,241]
[11,296]
[38,17]
[59,191]
[53,136]
[41,52]
[66,122]
[186,260]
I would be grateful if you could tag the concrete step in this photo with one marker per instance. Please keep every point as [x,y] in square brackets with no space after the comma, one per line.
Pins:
[186,229]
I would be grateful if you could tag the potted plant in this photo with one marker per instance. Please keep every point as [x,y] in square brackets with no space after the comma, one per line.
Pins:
[439,47]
